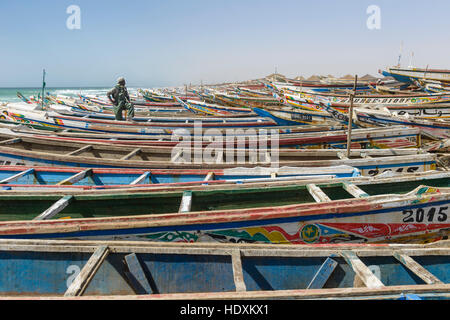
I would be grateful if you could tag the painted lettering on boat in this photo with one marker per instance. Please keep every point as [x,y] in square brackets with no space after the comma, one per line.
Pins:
[73,270]
[433,214]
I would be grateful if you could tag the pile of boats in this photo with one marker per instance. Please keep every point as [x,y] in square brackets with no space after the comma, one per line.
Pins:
[274,188]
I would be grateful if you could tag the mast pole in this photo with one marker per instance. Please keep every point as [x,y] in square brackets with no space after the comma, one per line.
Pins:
[350,118]
[43,89]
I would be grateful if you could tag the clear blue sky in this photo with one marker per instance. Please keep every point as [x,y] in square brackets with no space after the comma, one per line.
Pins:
[169,42]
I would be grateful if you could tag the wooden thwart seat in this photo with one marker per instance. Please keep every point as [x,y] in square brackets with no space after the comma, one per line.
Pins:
[17,176]
[361,270]
[417,269]
[131,154]
[317,193]
[80,283]
[141,178]
[186,202]
[354,190]
[56,208]
[237,271]
[76,177]
[80,150]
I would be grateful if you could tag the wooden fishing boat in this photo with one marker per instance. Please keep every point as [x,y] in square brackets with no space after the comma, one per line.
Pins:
[56,120]
[419,215]
[37,152]
[139,271]
[241,101]
[253,93]
[54,178]
[208,109]
[379,138]
[176,117]
[436,128]
[109,109]
[284,117]
[135,100]
[409,74]
[217,107]
[105,197]
[426,105]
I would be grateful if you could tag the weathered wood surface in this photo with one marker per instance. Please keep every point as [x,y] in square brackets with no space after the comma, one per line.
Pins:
[141,178]
[137,274]
[186,202]
[362,271]
[322,275]
[80,150]
[317,193]
[418,270]
[392,292]
[216,184]
[233,217]
[76,177]
[81,282]
[238,252]
[237,270]
[56,208]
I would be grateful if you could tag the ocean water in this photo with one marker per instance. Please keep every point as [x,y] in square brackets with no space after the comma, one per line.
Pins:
[10,94]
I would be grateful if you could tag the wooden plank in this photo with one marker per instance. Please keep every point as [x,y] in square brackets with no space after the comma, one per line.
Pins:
[354,190]
[175,158]
[268,157]
[75,178]
[342,156]
[141,178]
[56,208]
[80,150]
[417,269]
[210,176]
[81,282]
[317,193]
[17,176]
[323,274]
[361,270]
[137,274]
[131,154]
[237,271]
[186,202]
[11,141]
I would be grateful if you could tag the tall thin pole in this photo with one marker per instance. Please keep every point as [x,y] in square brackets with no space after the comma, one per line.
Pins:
[43,89]
[350,118]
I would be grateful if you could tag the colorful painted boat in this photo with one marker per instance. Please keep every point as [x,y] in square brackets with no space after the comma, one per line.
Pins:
[139,109]
[37,152]
[410,74]
[202,108]
[54,178]
[108,270]
[55,120]
[285,117]
[379,138]
[26,202]
[436,128]
[420,215]
[426,105]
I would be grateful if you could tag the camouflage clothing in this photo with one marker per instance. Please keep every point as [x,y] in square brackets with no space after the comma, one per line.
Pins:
[121,101]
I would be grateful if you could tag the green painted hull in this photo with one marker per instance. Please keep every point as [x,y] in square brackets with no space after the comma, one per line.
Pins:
[92,205]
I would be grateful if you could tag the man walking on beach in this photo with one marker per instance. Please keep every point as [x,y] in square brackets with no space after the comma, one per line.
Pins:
[121,100]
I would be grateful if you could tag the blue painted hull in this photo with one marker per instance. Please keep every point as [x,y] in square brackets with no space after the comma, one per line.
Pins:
[37,272]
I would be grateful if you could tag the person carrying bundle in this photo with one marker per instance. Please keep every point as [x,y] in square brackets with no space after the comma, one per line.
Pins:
[121,100]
